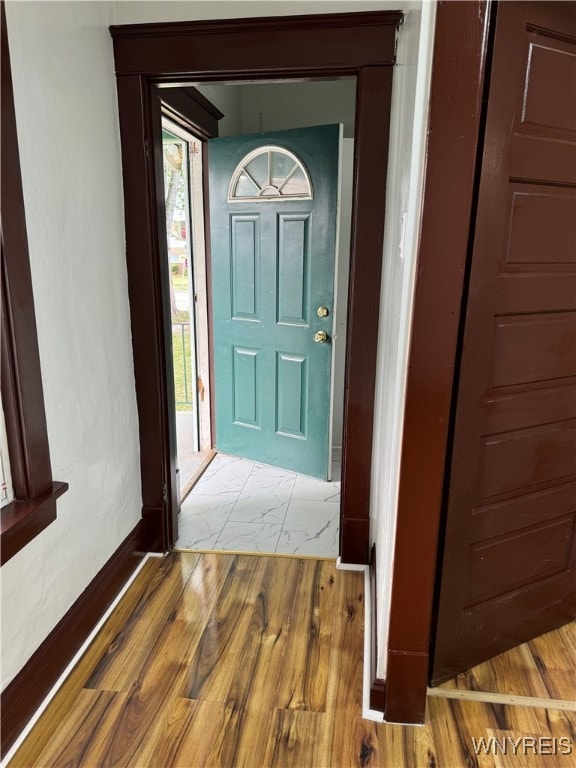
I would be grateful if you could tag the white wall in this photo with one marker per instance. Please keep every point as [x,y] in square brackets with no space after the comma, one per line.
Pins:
[145,11]
[66,112]
[271,107]
[228,99]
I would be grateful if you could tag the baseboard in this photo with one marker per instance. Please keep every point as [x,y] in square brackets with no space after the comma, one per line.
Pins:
[373,689]
[26,691]
[377,694]
[156,540]
[406,675]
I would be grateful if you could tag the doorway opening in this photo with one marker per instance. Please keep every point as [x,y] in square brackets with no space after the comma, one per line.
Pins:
[291,48]
[185,248]
[285,509]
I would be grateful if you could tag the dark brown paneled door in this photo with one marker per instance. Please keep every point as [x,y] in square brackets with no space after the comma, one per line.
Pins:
[508,569]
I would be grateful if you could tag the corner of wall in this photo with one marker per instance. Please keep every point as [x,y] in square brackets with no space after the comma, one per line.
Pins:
[410,98]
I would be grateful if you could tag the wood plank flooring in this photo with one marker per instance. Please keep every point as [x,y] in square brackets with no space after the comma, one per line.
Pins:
[250,661]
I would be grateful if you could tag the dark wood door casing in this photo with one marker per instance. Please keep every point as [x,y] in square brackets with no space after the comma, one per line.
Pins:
[140,105]
[191,111]
[458,70]
[149,55]
[510,542]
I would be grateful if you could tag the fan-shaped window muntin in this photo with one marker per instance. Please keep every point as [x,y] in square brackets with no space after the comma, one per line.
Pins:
[270,173]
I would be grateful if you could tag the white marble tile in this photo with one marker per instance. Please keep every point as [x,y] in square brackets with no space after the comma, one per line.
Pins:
[265,496]
[244,505]
[262,509]
[248,537]
[219,461]
[226,478]
[310,528]
[201,521]
[261,485]
[311,489]
[214,508]
[197,533]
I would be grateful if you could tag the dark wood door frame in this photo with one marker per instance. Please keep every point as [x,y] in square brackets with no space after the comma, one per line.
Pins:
[266,49]
[191,111]
[461,58]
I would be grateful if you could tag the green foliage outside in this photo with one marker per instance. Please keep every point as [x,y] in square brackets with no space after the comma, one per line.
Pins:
[180,279]
[181,358]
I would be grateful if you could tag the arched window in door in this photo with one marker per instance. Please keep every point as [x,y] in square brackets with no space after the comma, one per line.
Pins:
[270,173]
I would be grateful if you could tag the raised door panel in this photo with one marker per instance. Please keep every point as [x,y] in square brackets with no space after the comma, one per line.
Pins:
[533,349]
[548,103]
[536,553]
[246,387]
[245,267]
[293,269]
[292,395]
[521,460]
[538,232]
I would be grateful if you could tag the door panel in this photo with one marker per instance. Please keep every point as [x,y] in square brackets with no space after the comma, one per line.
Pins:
[292,395]
[246,382]
[509,555]
[293,269]
[245,263]
[272,267]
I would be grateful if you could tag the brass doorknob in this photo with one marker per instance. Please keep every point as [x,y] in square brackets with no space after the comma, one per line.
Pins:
[320,337]
[322,311]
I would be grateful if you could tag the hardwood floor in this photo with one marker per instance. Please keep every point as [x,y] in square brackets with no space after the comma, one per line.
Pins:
[236,660]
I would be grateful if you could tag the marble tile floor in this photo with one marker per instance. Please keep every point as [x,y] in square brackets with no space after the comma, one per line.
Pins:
[244,506]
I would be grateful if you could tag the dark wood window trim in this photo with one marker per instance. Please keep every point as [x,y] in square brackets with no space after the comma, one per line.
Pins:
[147,56]
[35,492]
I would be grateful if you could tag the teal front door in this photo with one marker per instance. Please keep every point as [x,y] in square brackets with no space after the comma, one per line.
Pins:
[273,221]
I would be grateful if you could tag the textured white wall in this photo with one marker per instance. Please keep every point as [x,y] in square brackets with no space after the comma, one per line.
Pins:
[66,112]
[228,99]
[298,105]
[144,11]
